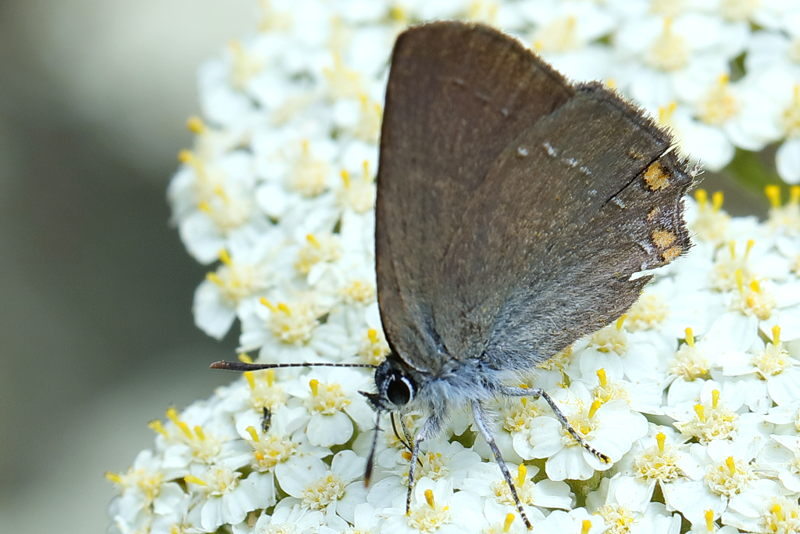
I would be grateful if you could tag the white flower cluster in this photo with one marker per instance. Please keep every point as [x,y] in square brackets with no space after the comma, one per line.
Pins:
[694,394]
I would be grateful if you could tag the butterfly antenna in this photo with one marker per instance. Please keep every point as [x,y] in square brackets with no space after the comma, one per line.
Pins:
[371,457]
[241,366]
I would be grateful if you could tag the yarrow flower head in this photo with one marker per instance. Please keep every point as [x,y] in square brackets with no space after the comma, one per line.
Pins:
[693,394]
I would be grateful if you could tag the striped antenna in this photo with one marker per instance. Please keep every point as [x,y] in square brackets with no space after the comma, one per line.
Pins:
[241,366]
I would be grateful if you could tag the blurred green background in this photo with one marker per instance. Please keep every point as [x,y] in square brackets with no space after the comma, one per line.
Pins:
[96,326]
[97,332]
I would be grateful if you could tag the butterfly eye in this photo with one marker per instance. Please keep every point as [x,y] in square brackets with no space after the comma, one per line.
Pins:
[400,389]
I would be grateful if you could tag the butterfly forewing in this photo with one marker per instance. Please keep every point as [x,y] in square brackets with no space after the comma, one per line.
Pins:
[457,96]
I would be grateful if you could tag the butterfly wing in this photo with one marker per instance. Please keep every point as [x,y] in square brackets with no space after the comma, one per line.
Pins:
[577,203]
[457,95]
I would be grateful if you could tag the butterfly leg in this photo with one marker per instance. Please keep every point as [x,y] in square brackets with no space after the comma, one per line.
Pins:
[479,414]
[429,428]
[538,392]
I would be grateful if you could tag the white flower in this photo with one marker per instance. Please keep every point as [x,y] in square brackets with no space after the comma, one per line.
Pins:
[213,202]
[624,503]
[331,398]
[289,517]
[435,508]
[769,373]
[246,270]
[295,329]
[228,498]
[660,459]
[693,393]
[317,487]
[437,461]
[610,427]
[576,520]
[487,481]
[782,457]
[764,510]
[672,55]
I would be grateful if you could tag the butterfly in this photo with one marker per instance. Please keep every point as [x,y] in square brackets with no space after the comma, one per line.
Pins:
[513,209]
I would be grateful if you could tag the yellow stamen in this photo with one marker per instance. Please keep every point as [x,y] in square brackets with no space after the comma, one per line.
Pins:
[158,426]
[717,199]
[602,377]
[172,415]
[595,406]
[372,334]
[701,196]
[269,377]
[665,113]
[186,156]
[522,475]
[185,429]
[508,521]
[750,244]
[709,516]
[313,241]
[314,385]
[777,511]
[621,321]
[253,434]
[195,125]
[268,304]
[794,194]
[773,193]
[224,257]
[731,464]
[214,279]
[429,498]
[661,439]
[586,526]
[198,431]
[282,306]
[732,248]
[398,14]
[345,178]
[715,398]
[700,411]
[776,334]
[113,477]
[689,337]
[244,357]
[739,280]
[251,381]
[191,479]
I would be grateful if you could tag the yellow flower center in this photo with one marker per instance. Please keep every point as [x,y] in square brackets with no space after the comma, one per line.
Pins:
[326,398]
[669,50]
[323,492]
[292,325]
[559,35]
[730,477]
[647,312]
[719,104]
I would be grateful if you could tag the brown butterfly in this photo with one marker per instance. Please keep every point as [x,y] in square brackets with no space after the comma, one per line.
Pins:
[513,208]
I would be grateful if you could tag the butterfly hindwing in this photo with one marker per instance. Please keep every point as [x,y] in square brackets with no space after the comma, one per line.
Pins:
[562,221]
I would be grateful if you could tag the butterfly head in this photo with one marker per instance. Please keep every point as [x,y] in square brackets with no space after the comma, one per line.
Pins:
[395,387]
